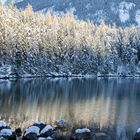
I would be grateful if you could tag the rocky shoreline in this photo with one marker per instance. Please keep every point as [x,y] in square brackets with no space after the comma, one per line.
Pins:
[59,130]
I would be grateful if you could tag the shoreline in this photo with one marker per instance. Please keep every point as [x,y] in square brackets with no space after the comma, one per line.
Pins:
[58,130]
[70,76]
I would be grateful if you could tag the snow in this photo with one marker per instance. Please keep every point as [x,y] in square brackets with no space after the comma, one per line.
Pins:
[138,131]
[16,1]
[32,129]
[46,128]
[5,71]
[41,138]
[99,42]
[88,6]
[6,132]
[43,10]
[2,124]
[100,16]
[123,70]
[137,17]
[83,130]
[71,10]
[60,123]
[49,138]
[124,9]
[114,8]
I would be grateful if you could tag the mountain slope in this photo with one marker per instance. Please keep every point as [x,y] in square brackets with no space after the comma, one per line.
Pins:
[113,11]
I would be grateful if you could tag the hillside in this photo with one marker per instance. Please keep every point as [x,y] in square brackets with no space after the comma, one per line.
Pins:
[123,13]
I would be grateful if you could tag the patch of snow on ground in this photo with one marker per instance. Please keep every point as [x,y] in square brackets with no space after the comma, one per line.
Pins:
[46,128]
[32,129]
[124,9]
[6,132]
[83,130]
[137,17]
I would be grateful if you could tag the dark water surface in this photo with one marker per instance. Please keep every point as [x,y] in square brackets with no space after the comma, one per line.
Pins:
[110,103]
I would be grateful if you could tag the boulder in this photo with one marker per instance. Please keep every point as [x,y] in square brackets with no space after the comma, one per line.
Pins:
[81,134]
[137,135]
[47,131]
[61,124]
[48,138]
[8,134]
[42,138]
[30,136]
[2,125]
[18,132]
[31,133]
[39,124]
[101,136]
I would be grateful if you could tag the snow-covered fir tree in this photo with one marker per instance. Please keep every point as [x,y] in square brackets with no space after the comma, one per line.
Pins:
[47,44]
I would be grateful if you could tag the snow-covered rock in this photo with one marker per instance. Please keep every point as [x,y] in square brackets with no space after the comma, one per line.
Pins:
[32,129]
[47,128]
[137,135]
[138,131]
[6,132]
[2,124]
[83,130]
[49,138]
[60,123]
[47,131]
[83,133]
[42,138]
[39,124]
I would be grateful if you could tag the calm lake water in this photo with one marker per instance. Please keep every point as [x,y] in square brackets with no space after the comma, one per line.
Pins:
[108,103]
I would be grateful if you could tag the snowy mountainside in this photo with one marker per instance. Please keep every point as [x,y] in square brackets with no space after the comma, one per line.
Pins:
[121,12]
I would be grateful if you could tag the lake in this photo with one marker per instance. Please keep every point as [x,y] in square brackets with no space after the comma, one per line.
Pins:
[112,104]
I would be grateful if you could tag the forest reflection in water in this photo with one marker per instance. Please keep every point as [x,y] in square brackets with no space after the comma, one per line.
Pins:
[107,102]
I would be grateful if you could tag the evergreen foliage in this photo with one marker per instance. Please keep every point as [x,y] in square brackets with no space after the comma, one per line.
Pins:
[43,44]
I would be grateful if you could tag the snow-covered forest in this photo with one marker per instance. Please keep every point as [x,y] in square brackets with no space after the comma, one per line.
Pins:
[46,44]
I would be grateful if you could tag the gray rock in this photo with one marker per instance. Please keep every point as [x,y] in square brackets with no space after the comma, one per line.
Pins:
[101,136]
[137,136]
[47,131]
[81,134]
[8,134]
[39,124]
[61,124]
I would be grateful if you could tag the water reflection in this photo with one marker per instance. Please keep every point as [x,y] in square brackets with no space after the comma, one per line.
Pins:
[107,102]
